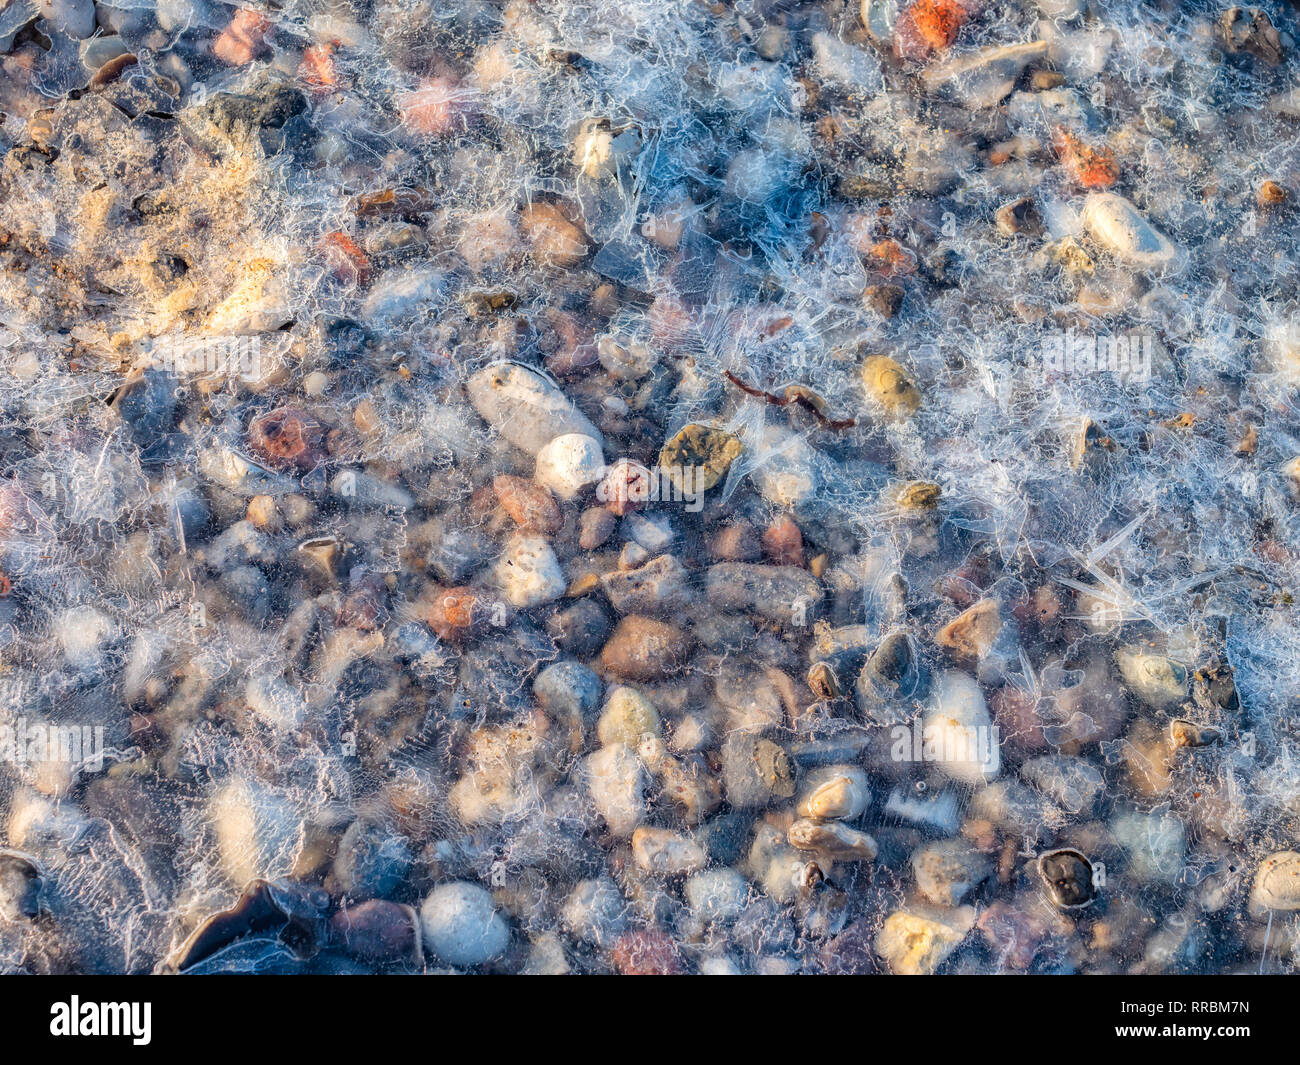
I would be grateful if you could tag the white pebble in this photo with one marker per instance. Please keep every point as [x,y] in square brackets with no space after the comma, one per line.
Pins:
[570,463]
[529,573]
[461,925]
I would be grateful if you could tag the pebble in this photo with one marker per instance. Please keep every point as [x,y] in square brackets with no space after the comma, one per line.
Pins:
[1068,877]
[526,408]
[258,830]
[890,386]
[1115,224]
[569,464]
[1071,783]
[950,870]
[595,527]
[568,691]
[462,926]
[529,505]
[845,65]
[628,717]
[643,649]
[716,896]
[786,472]
[838,842]
[958,730]
[985,78]
[755,771]
[660,586]
[76,18]
[556,242]
[836,792]
[379,931]
[595,912]
[1158,681]
[662,852]
[647,952]
[528,572]
[1277,883]
[617,782]
[20,886]
[917,943]
[1155,843]
[786,595]
[702,453]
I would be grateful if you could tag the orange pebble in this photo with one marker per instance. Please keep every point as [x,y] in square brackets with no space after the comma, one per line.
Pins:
[346,260]
[1093,168]
[244,38]
[938,21]
[439,107]
[317,68]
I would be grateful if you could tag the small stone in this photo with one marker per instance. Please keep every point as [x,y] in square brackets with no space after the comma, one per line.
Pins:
[755,771]
[1249,30]
[617,780]
[628,717]
[530,505]
[783,542]
[242,39]
[787,473]
[1155,844]
[1089,167]
[580,629]
[660,587]
[378,931]
[287,438]
[662,852]
[525,407]
[948,871]
[698,457]
[1072,783]
[595,912]
[917,943]
[845,65]
[957,732]
[1115,224]
[595,526]
[568,691]
[1160,682]
[836,792]
[838,842]
[632,556]
[888,384]
[648,952]
[625,486]
[528,572]
[462,926]
[786,595]
[735,543]
[716,895]
[556,241]
[1019,216]
[1271,194]
[569,464]
[985,78]
[1277,883]
[654,532]
[644,649]
[1067,875]
[438,106]
[885,300]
